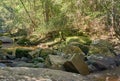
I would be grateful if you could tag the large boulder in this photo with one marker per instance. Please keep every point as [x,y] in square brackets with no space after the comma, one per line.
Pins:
[76,64]
[101,47]
[6,39]
[38,74]
[70,50]
[74,60]
[101,62]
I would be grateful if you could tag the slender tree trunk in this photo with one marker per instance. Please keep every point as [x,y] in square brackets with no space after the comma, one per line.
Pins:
[34,25]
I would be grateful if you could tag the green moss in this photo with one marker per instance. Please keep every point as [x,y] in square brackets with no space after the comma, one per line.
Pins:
[70,50]
[80,39]
[100,50]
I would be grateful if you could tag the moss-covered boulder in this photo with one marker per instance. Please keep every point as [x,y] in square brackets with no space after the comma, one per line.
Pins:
[70,50]
[84,48]
[101,47]
[81,39]
[21,52]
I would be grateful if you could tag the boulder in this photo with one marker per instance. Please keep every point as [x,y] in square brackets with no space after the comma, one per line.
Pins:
[76,64]
[101,62]
[6,39]
[3,65]
[101,47]
[70,50]
[55,62]
[38,74]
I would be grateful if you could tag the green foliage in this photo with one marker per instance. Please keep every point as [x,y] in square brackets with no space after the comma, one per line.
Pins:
[23,41]
[20,52]
[27,41]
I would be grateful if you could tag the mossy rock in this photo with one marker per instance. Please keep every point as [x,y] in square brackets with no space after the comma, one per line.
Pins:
[101,47]
[45,52]
[84,48]
[100,50]
[81,39]
[20,52]
[55,62]
[70,50]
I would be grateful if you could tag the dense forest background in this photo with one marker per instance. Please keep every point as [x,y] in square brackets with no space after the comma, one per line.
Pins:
[93,17]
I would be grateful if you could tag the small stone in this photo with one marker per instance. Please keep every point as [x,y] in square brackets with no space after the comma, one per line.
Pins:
[3,65]
[55,62]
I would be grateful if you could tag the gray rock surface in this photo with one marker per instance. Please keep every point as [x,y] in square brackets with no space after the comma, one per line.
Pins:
[35,74]
[40,74]
[6,39]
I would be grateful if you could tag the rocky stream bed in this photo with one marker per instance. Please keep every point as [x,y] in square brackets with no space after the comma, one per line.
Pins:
[73,62]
